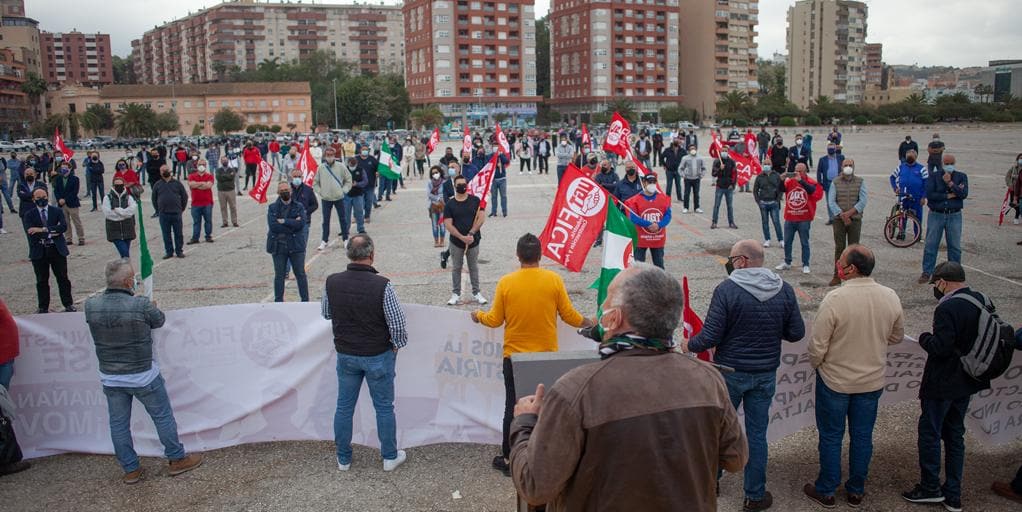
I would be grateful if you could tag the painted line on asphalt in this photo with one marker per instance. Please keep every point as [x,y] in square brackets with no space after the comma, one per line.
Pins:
[988,274]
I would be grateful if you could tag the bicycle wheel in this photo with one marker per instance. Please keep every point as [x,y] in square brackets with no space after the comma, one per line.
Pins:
[902,230]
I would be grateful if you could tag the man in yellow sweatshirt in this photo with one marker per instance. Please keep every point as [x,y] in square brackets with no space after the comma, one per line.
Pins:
[527,303]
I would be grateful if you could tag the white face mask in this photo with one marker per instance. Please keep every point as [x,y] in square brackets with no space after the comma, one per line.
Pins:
[202,168]
[651,188]
[847,171]
[692,152]
[329,159]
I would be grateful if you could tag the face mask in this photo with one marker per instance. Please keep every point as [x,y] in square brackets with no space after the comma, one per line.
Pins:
[798,141]
[41,202]
[910,159]
[1020,162]
[592,163]
[285,196]
[452,172]
[121,167]
[436,175]
[119,188]
[365,154]
[95,159]
[604,169]
[729,266]
[564,143]
[692,152]
[604,328]
[847,171]
[165,174]
[195,157]
[65,170]
[840,271]
[630,172]
[779,144]
[949,168]
[29,179]
[651,188]
[296,182]
[937,294]
[831,151]
[466,160]
[461,189]
[724,155]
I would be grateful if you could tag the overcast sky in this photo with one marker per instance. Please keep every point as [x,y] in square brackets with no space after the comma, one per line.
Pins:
[926,32]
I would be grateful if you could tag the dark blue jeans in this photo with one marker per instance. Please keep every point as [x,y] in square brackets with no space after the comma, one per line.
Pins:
[755,391]
[352,205]
[657,253]
[6,373]
[378,373]
[728,194]
[123,248]
[170,224]
[771,212]
[280,264]
[200,215]
[673,177]
[942,225]
[833,409]
[802,228]
[942,420]
[498,191]
[154,397]
[325,207]
[369,200]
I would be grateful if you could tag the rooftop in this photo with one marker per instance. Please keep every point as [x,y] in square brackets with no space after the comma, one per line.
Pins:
[211,89]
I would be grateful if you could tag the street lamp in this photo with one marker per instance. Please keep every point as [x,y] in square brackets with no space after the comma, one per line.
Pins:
[336,125]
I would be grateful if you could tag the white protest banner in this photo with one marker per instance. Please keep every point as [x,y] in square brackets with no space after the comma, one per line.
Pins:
[266,372]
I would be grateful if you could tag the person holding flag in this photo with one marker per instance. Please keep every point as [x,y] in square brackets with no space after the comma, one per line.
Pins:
[751,313]
[725,173]
[389,168]
[651,212]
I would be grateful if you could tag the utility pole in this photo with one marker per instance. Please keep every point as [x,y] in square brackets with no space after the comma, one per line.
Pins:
[336,124]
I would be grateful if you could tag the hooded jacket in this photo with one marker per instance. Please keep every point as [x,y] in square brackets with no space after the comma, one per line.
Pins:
[750,313]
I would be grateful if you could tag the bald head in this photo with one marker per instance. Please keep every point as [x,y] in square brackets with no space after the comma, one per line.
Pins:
[751,252]
[948,159]
[860,258]
[801,168]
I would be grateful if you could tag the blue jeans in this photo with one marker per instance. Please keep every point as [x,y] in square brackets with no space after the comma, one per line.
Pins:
[657,253]
[802,228]
[369,200]
[325,207]
[202,214]
[755,391]
[384,188]
[771,212]
[351,205]
[170,224]
[6,191]
[832,411]
[378,372]
[96,189]
[950,226]
[6,373]
[674,177]
[728,194]
[498,190]
[281,262]
[942,420]
[438,227]
[123,248]
[157,404]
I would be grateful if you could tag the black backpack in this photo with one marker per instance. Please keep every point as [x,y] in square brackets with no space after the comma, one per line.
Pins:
[990,355]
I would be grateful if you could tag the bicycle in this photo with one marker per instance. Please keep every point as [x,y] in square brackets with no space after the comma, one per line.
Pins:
[896,228]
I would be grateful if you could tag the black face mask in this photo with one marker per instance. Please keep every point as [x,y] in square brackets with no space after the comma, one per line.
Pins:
[466,160]
[937,294]
[730,267]
[29,179]
[285,196]
[165,174]
[630,172]
[910,159]
[461,188]
[118,188]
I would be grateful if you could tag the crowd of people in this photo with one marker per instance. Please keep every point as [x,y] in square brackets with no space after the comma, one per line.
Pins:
[751,313]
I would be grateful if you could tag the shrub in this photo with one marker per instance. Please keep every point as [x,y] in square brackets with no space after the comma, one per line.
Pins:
[881,120]
[812,120]
[860,119]
[787,121]
[924,119]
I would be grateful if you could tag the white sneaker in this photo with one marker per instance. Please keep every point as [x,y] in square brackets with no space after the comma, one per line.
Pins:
[783,266]
[322,246]
[1014,221]
[392,464]
[4,231]
[530,173]
[684,210]
[479,298]
[522,172]
[805,269]
[343,467]
[454,300]
[781,243]
[766,243]
[699,210]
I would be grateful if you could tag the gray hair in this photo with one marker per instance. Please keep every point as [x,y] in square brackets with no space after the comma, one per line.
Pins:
[360,247]
[117,271]
[651,301]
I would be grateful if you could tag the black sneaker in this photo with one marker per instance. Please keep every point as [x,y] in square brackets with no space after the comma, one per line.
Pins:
[761,504]
[443,259]
[953,504]
[920,495]
[192,241]
[70,309]
[501,465]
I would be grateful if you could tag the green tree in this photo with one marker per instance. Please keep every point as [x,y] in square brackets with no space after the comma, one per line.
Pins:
[34,86]
[124,70]
[167,122]
[625,108]
[734,104]
[772,78]
[671,114]
[136,120]
[196,130]
[500,117]
[226,121]
[426,117]
[543,57]
[97,118]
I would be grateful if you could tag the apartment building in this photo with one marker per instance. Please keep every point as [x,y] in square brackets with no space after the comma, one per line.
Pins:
[603,50]
[874,72]
[472,58]
[76,58]
[826,42]
[20,34]
[204,46]
[15,106]
[718,51]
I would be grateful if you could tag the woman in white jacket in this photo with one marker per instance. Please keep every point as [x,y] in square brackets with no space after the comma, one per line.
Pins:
[119,210]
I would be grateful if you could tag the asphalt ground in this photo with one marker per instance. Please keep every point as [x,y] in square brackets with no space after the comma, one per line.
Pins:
[302,475]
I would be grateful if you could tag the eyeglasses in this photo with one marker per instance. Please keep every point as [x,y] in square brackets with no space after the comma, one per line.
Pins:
[731,259]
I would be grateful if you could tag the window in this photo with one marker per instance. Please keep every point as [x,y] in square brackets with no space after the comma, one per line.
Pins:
[188,104]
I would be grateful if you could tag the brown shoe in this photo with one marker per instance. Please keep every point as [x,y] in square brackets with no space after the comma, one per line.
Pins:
[133,477]
[235,224]
[855,500]
[754,505]
[186,464]
[923,278]
[819,499]
[1004,490]
[224,225]
[835,281]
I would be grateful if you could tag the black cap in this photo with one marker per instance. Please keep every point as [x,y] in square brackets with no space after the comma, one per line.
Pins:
[948,271]
[649,177]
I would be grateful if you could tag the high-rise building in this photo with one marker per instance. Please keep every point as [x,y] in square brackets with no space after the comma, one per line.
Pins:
[204,46]
[15,106]
[826,51]
[875,65]
[13,8]
[20,34]
[472,58]
[76,58]
[602,50]
[718,51]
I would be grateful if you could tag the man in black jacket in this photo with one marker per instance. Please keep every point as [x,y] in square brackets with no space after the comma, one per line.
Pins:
[45,226]
[945,389]
[725,176]
[171,199]
[671,159]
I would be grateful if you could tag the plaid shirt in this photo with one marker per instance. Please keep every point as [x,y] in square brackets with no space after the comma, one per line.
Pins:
[391,311]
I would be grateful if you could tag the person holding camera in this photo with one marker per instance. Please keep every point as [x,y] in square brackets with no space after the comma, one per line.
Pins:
[801,193]
[286,242]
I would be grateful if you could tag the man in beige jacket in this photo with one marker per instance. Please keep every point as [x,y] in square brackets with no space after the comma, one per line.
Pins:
[853,328]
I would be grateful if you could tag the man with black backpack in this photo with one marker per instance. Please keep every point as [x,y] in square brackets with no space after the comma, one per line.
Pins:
[970,345]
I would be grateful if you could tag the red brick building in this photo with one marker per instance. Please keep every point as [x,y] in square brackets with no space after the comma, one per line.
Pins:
[472,58]
[74,57]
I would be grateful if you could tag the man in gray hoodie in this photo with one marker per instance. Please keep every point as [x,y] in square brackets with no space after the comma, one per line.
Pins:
[750,313]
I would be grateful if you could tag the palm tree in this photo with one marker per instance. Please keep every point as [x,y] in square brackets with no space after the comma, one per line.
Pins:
[426,116]
[136,120]
[734,103]
[624,107]
[915,100]
[34,86]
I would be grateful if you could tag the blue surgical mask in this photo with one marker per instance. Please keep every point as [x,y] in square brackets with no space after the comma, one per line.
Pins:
[296,182]
[451,172]
[949,168]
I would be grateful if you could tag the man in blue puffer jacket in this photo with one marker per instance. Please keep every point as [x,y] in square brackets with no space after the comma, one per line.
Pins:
[750,313]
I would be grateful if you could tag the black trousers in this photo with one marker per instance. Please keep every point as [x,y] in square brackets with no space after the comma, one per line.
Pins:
[509,407]
[52,260]
[544,166]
